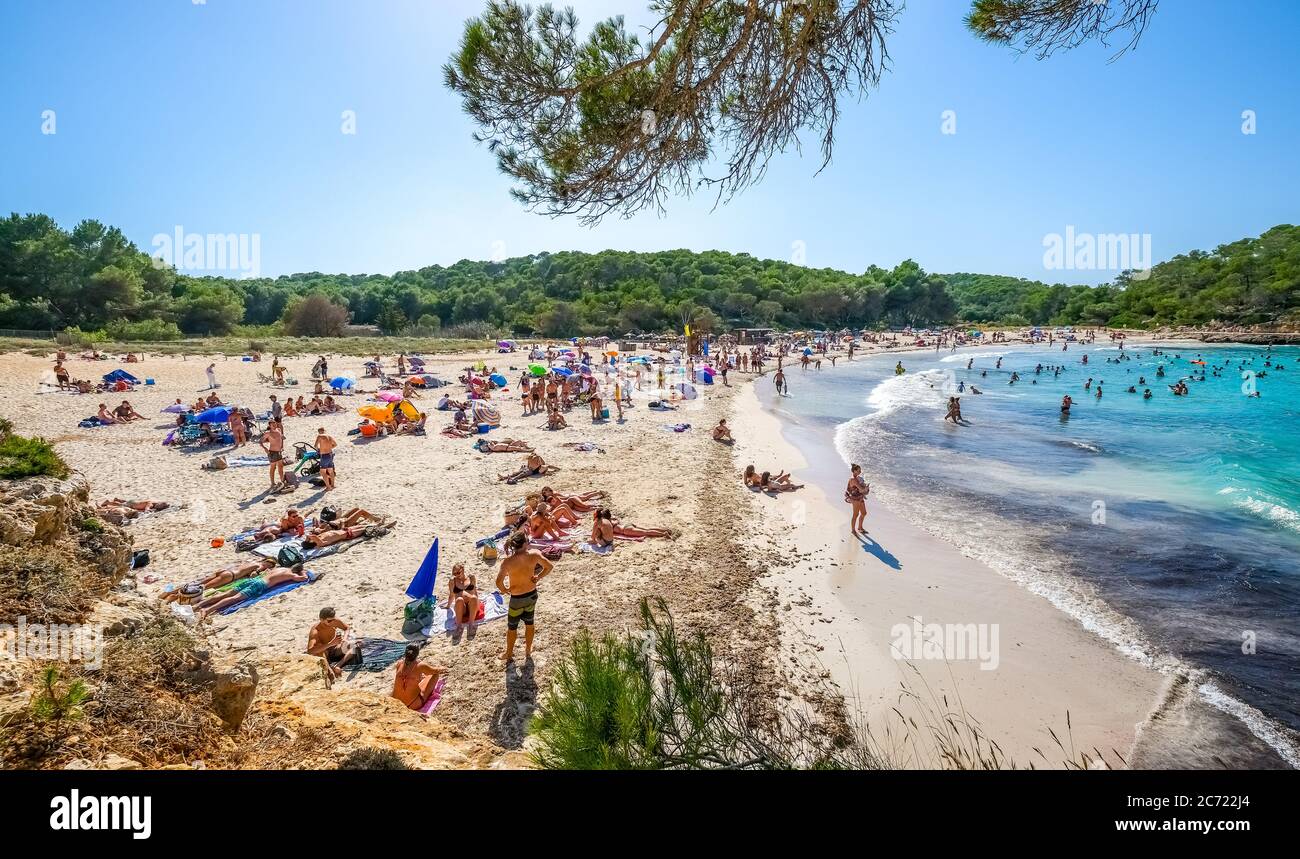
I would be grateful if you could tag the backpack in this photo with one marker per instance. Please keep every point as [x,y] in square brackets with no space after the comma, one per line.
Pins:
[418,615]
[289,556]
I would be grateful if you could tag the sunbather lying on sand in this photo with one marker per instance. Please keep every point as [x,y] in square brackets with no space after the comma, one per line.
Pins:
[291,524]
[330,520]
[605,529]
[328,639]
[117,511]
[415,682]
[321,539]
[224,577]
[777,483]
[576,503]
[534,466]
[249,589]
[509,445]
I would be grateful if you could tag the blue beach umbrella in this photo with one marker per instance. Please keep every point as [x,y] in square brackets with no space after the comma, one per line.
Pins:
[421,587]
[341,382]
[214,415]
[498,380]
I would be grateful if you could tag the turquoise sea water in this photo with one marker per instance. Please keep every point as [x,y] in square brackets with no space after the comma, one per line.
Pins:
[1169,525]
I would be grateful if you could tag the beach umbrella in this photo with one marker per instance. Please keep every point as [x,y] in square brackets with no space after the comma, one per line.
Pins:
[375,413]
[422,585]
[175,409]
[342,382]
[214,415]
[498,380]
[562,371]
[389,396]
[537,369]
[687,390]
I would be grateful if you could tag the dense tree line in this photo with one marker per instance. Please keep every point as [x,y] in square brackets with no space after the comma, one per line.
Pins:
[93,278]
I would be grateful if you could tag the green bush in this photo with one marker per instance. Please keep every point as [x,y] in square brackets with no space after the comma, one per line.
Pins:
[29,457]
[658,700]
[144,331]
[74,336]
[58,700]
[92,525]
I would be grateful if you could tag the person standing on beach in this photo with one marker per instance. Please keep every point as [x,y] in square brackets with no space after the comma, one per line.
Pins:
[212,377]
[519,574]
[856,495]
[273,443]
[779,380]
[325,445]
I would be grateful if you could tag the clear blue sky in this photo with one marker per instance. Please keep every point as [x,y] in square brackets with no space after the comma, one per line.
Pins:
[224,117]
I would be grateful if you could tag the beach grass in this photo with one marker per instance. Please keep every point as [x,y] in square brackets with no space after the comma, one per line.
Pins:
[238,346]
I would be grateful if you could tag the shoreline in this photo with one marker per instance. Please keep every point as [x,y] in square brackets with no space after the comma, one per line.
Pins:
[1052,670]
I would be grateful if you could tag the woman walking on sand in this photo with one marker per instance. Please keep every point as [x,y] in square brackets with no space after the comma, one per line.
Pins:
[856,495]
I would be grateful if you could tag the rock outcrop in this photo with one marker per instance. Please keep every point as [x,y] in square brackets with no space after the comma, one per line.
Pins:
[50,511]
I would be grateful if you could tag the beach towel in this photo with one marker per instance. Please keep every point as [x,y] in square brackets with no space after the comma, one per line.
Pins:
[273,592]
[247,461]
[377,654]
[500,535]
[585,446]
[592,549]
[677,427]
[489,609]
[435,699]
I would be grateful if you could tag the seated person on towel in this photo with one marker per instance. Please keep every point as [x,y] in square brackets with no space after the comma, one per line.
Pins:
[251,588]
[222,578]
[104,416]
[328,639]
[126,412]
[414,681]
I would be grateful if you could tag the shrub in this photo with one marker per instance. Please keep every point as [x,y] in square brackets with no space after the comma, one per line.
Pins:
[144,331]
[316,316]
[478,330]
[74,336]
[370,758]
[658,700]
[92,525]
[44,585]
[57,700]
[29,457]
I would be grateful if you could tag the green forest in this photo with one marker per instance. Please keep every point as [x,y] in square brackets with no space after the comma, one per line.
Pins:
[92,279]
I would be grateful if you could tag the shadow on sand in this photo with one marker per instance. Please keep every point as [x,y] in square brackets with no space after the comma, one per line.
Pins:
[871,547]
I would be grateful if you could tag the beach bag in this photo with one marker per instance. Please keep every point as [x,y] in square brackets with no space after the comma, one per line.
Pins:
[418,615]
[289,556]
[140,559]
[489,551]
[604,414]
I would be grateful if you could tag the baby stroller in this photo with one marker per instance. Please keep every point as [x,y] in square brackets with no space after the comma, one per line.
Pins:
[307,459]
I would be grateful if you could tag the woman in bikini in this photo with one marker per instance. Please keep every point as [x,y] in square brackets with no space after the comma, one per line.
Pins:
[462,595]
[605,529]
[855,494]
[575,503]
[769,482]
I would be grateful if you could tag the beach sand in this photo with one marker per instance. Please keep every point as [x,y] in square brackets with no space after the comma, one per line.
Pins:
[776,581]
[844,598]
[435,487]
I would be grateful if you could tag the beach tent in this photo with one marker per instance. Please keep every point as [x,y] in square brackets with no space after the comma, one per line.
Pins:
[422,585]
[707,376]
[121,376]
[686,390]
[408,408]
[214,415]
[375,413]
[342,382]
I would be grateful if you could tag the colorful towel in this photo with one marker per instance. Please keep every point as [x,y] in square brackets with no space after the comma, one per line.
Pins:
[490,609]
[435,699]
[273,592]
[377,654]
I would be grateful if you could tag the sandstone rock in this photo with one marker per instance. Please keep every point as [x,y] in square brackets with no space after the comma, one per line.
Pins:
[232,693]
[117,762]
